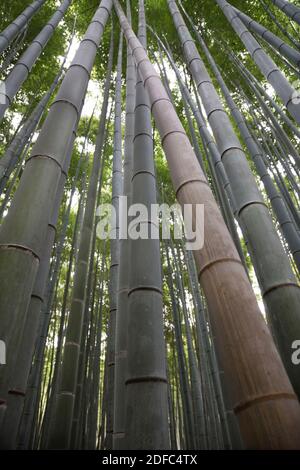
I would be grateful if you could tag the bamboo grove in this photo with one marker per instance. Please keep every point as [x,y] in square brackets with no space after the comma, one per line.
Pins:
[146,342]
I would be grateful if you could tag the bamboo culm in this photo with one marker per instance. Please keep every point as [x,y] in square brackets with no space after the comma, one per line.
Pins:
[16,27]
[146,419]
[283,88]
[283,48]
[13,152]
[62,422]
[12,84]
[214,159]
[27,337]
[124,261]
[289,9]
[183,378]
[279,25]
[24,229]
[117,185]
[278,205]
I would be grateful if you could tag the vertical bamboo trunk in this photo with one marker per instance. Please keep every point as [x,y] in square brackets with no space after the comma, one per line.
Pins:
[280,290]
[17,382]
[278,205]
[146,422]
[210,368]
[13,152]
[23,231]
[45,325]
[16,26]
[13,182]
[96,362]
[173,439]
[27,422]
[81,406]
[79,414]
[218,172]
[289,9]
[200,423]
[262,397]
[261,93]
[288,95]
[18,75]
[62,422]
[124,262]
[183,379]
[54,381]
[117,184]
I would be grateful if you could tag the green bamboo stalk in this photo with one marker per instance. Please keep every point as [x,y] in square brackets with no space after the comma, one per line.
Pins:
[288,9]
[279,25]
[62,422]
[283,48]
[278,205]
[15,27]
[282,87]
[124,262]
[17,381]
[146,421]
[117,184]
[14,150]
[24,229]
[183,379]
[12,84]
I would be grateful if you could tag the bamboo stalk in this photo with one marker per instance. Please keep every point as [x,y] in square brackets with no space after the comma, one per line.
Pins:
[289,9]
[19,23]
[21,70]
[146,382]
[23,231]
[288,95]
[283,48]
[124,262]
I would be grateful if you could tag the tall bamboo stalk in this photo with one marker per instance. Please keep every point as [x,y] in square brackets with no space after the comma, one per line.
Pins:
[20,72]
[278,205]
[200,421]
[289,9]
[283,48]
[96,362]
[183,377]
[55,273]
[214,159]
[146,421]
[117,184]
[260,389]
[19,23]
[24,230]
[279,25]
[61,430]
[13,152]
[287,93]
[124,262]
[18,380]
